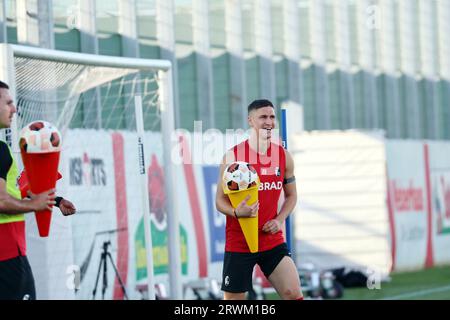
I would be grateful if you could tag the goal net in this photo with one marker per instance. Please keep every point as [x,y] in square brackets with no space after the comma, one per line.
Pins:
[91,100]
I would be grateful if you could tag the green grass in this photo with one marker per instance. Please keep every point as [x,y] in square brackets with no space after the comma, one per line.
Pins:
[418,285]
[429,284]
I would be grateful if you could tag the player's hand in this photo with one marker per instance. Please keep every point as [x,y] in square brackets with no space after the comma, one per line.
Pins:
[272,226]
[67,208]
[245,211]
[44,200]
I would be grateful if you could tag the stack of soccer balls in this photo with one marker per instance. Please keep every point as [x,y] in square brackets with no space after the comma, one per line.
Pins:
[40,137]
[239,176]
[241,183]
[40,148]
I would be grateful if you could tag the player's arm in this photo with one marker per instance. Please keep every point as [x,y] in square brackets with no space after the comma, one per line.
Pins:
[11,205]
[223,204]
[290,189]
[67,208]
[290,197]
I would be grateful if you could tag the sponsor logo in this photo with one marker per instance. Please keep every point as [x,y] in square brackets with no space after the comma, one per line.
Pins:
[271,171]
[87,171]
[407,199]
[227,281]
[277,171]
[267,186]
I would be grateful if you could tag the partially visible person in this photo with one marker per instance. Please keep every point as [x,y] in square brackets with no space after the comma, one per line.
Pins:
[16,277]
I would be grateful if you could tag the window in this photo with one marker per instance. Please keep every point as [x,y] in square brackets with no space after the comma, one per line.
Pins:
[146,29]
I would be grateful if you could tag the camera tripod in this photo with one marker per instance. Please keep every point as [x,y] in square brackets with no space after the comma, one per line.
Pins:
[103,262]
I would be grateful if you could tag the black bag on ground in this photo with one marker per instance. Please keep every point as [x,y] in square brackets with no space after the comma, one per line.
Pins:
[350,278]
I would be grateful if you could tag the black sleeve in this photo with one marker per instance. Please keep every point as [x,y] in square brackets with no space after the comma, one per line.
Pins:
[5,160]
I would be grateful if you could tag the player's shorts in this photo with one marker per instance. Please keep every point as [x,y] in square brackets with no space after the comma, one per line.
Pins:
[238,267]
[16,280]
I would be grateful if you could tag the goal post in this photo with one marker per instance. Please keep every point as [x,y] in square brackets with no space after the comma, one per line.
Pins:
[50,83]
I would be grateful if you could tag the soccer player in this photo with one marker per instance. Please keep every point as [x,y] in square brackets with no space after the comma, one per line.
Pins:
[275,168]
[16,277]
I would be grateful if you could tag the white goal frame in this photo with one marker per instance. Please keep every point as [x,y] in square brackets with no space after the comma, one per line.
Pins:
[165,84]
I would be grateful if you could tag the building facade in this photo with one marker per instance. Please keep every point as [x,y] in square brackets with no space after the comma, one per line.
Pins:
[365,64]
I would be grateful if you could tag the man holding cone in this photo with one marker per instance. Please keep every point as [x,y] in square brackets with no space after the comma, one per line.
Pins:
[16,278]
[275,168]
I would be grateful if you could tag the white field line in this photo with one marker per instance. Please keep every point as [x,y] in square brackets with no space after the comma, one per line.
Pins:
[418,293]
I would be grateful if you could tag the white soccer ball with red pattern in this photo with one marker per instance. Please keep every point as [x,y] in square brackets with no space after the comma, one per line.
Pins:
[240,176]
[40,137]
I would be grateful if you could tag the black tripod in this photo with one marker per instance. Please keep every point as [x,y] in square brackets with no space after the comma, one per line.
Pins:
[103,262]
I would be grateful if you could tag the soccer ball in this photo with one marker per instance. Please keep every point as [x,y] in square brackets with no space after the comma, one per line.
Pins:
[40,137]
[240,176]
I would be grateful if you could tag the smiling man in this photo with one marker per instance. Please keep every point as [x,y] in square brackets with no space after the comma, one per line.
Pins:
[275,168]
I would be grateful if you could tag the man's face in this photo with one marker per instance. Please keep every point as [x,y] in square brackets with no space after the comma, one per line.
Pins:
[7,108]
[262,120]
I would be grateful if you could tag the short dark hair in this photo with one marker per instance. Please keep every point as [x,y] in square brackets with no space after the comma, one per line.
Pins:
[3,85]
[261,103]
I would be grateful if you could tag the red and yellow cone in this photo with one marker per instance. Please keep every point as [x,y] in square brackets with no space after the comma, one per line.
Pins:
[42,173]
[249,225]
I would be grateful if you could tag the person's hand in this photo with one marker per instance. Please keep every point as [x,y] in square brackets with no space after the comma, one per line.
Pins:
[43,201]
[67,208]
[245,211]
[272,226]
